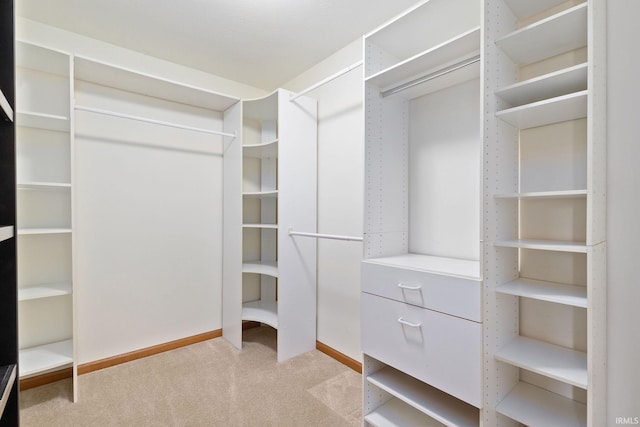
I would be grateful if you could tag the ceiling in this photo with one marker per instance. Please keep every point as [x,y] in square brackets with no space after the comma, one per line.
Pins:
[262,43]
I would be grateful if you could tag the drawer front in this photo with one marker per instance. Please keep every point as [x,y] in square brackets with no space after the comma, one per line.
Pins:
[448,294]
[441,350]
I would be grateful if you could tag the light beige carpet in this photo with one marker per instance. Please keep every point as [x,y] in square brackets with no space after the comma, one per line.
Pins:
[206,384]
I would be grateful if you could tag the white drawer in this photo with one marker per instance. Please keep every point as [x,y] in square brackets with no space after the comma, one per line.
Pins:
[441,350]
[458,296]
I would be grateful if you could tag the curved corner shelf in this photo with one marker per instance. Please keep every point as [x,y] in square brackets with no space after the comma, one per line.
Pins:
[46,290]
[268,268]
[560,33]
[43,358]
[260,194]
[263,226]
[43,186]
[261,311]
[268,150]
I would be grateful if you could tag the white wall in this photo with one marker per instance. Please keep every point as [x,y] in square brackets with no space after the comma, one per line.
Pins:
[623,208]
[340,196]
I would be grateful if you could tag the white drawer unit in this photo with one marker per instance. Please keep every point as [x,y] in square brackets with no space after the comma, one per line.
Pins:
[458,296]
[441,350]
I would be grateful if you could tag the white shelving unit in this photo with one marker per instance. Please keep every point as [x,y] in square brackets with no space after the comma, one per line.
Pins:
[422,229]
[270,186]
[44,203]
[545,244]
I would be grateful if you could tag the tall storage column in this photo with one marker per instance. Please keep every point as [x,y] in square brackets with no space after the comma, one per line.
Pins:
[270,187]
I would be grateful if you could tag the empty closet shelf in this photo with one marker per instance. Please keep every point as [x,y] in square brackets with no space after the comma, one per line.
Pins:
[46,357]
[261,311]
[269,268]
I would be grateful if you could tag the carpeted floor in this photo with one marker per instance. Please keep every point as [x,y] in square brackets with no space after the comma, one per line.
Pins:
[206,384]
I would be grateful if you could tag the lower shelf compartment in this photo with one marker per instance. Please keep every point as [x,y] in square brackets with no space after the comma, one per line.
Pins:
[534,406]
[7,379]
[261,311]
[429,403]
[396,413]
[46,357]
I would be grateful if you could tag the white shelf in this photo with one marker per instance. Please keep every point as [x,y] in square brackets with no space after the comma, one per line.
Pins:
[438,405]
[6,233]
[562,32]
[105,74]
[43,186]
[261,311]
[269,268]
[6,107]
[266,226]
[42,121]
[395,413]
[42,59]
[559,363]
[563,194]
[45,357]
[554,110]
[534,406]
[268,150]
[46,290]
[260,194]
[563,82]
[526,8]
[434,264]
[544,245]
[438,56]
[33,231]
[7,379]
[559,293]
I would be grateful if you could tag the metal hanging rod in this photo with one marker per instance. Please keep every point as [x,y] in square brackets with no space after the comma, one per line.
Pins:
[147,120]
[431,76]
[325,236]
[325,81]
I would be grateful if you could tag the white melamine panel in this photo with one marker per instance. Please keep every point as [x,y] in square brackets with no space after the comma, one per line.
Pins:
[555,110]
[562,364]
[46,357]
[559,324]
[46,60]
[6,232]
[441,350]
[554,219]
[115,76]
[548,37]
[559,293]
[262,311]
[45,320]
[44,258]
[37,120]
[432,20]
[526,8]
[43,208]
[440,407]
[535,406]
[550,266]
[43,93]
[397,413]
[46,290]
[149,223]
[42,156]
[269,268]
[447,294]
[558,83]
[563,194]
[444,161]
[544,245]
[262,150]
[434,264]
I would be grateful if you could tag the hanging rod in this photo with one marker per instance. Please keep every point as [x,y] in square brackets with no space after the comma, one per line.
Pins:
[430,76]
[325,81]
[156,122]
[325,236]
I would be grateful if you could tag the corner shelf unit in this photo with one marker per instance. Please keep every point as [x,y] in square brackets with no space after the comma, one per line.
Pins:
[44,207]
[270,185]
[544,188]
[421,274]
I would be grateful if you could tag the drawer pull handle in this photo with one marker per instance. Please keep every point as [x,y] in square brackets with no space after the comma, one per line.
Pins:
[412,325]
[409,288]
